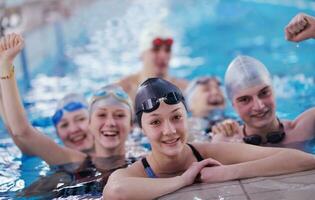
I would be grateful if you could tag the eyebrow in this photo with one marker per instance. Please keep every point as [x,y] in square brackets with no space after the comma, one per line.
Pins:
[267,87]
[264,88]
[157,114]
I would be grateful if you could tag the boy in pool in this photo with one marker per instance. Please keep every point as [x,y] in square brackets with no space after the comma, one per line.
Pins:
[249,88]
[173,164]
[155,50]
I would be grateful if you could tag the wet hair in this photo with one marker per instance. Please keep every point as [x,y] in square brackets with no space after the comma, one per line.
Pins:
[155,89]
[245,72]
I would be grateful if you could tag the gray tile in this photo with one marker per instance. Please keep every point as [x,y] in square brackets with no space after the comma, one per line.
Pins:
[198,196]
[285,195]
[304,173]
[209,191]
[296,181]
[299,185]
[273,185]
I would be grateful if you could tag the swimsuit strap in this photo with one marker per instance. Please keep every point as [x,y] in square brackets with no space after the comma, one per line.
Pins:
[196,153]
[147,168]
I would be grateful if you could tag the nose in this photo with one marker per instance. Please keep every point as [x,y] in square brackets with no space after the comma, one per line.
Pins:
[214,91]
[258,104]
[73,127]
[110,121]
[169,128]
[162,53]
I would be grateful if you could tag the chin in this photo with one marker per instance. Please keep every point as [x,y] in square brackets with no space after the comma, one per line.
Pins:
[110,144]
[174,151]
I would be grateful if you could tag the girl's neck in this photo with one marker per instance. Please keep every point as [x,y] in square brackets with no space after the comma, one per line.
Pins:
[100,151]
[166,166]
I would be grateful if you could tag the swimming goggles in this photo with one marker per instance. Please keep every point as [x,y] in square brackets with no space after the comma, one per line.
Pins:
[152,104]
[70,107]
[159,42]
[272,137]
[117,93]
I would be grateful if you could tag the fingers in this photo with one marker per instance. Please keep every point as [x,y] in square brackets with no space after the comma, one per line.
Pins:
[227,128]
[301,27]
[209,162]
[11,41]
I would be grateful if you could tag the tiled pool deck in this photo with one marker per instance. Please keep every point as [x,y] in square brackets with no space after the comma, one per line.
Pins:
[297,186]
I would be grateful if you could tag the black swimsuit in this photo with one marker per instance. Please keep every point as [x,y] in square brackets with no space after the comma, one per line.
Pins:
[150,173]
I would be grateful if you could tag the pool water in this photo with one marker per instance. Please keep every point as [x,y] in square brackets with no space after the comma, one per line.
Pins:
[101,46]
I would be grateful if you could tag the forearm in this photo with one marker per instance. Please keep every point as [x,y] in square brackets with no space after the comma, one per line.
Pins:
[141,188]
[283,162]
[13,108]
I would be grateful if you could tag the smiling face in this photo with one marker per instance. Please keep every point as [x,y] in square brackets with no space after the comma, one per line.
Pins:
[255,105]
[110,125]
[166,128]
[209,97]
[73,130]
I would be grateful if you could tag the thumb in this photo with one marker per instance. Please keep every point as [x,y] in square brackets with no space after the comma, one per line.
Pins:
[209,162]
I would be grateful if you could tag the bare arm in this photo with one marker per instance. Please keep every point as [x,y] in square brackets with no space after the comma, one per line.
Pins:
[245,161]
[125,184]
[28,139]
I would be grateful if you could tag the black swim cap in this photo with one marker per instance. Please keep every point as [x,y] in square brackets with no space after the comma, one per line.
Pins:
[150,93]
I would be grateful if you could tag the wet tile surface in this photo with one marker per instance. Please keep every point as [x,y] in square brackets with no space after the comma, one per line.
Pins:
[299,185]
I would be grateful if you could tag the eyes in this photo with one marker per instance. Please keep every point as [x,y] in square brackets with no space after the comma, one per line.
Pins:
[158,48]
[157,121]
[66,123]
[264,93]
[116,115]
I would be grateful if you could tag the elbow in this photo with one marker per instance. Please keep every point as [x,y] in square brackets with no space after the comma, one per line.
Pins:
[20,130]
[114,191]
[310,163]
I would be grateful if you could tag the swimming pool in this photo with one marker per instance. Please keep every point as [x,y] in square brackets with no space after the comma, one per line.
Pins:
[209,35]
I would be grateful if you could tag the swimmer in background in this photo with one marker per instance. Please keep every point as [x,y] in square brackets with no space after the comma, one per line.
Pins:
[249,88]
[173,163]
[206,105]
[155,49]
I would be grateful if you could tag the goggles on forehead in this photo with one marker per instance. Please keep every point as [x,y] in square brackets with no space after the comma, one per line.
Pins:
[158,43]
[70,107]
[153,103]
[117,93]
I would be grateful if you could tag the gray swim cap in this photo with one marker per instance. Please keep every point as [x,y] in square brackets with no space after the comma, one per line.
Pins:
[245,72]
[111,94]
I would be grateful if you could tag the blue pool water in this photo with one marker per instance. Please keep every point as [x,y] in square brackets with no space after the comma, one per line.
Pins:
[101,46]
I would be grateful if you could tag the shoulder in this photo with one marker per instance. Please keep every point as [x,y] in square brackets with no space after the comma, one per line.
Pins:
[134,170]
[128,81]
[302,127]
[180,83]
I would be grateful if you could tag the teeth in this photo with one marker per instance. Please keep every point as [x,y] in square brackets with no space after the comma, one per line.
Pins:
[171,141]
[77,138]
[109,133]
